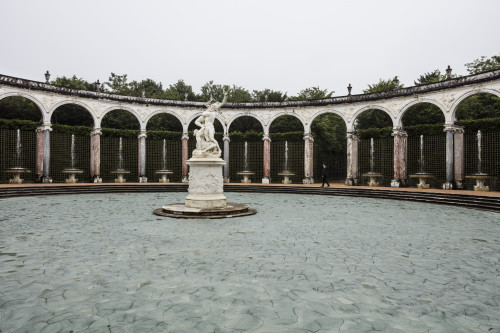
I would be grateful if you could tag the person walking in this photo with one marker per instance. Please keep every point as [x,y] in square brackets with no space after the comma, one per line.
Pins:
[325,175]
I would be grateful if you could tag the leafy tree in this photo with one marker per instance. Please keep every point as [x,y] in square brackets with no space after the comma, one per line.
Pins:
[210,89]
[382,85]
[286,124]
[329,132]
[239,95]
[120,119]
[19,108]
[72,115]
[151,89]
[479,106]
[431,77]
[483,64]
[118,84]
[423,113]
[178,90]
[74,83]
[268,95]
[245,124]
[311,93]
[164,122]
[373,118]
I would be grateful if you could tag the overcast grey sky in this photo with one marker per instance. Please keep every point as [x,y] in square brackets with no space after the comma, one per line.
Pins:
[282,45]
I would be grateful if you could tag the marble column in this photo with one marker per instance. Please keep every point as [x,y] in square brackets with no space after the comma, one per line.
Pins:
[142,156]
[185,152]
[352,159]
[95,155]
[400,157]
[226,157]
[267,158]
[458,145]
[46,128]
[450,156]
[39,153]
[308,159]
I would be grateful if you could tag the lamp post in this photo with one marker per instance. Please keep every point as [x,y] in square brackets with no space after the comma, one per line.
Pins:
[47,77]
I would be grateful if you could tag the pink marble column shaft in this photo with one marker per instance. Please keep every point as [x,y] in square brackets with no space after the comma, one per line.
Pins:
[400,157]
[267,159]
[458,143]
[95,154]
[308,158]
[185,152]
[39,152]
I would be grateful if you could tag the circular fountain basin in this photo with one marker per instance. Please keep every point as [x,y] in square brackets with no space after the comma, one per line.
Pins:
[286,173]
[164,172]
[17,170]
[120,172]
[479,176]
[72,171]
[371,174]
[246,174]
[356,265]
[421,175]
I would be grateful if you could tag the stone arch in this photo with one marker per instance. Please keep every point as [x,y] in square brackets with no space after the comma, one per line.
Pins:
[284,113]
[157,112]
[196,115]
[121,107]
[76,102]
[322,112]
[244,114]
[466,95]
[401,113]
[40,105]
[350,126]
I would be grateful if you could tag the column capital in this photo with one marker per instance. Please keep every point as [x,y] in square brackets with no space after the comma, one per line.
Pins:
[142,134]
[266,137]
[399,131]
[453,128]
[308,136]
[44,127]
[96,131]
[185,136]
[352,135]
[226,138]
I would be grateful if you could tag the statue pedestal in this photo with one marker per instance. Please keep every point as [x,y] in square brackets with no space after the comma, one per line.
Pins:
[205,183]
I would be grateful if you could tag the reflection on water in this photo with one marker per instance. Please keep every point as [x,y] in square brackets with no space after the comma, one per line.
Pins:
[303,263]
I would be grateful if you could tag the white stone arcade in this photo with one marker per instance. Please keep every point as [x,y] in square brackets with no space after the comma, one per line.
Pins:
[446,95]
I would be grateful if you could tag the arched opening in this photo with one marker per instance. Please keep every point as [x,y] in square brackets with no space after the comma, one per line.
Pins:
[164,147]
[247,130]
[375,125]
[71,127]
[287,148]
[116,125]
[18,113]
[426,143]
[481,112]
[330,146]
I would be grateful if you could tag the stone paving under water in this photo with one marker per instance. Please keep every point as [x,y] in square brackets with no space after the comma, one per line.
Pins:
[105,263]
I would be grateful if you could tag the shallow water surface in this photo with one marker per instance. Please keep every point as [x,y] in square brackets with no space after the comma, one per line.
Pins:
[105,263]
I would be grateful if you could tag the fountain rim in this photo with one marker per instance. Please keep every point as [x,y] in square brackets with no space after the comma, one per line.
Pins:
[17,170]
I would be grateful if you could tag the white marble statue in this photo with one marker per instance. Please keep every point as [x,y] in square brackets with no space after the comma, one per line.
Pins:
[206,145]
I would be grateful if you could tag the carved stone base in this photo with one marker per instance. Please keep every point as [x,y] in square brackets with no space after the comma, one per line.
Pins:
[373,182]
[351,182]
[286,180]
[246,180]
[205,183]
[185,179]
[308,180]
[459,184]
[143,179]
[266,180]
[422,184]
[448,186]
[120,179]
[226,180]
[97,179]
[480,186]
[46,180]
[72,179]
[16,180]
[164,179]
